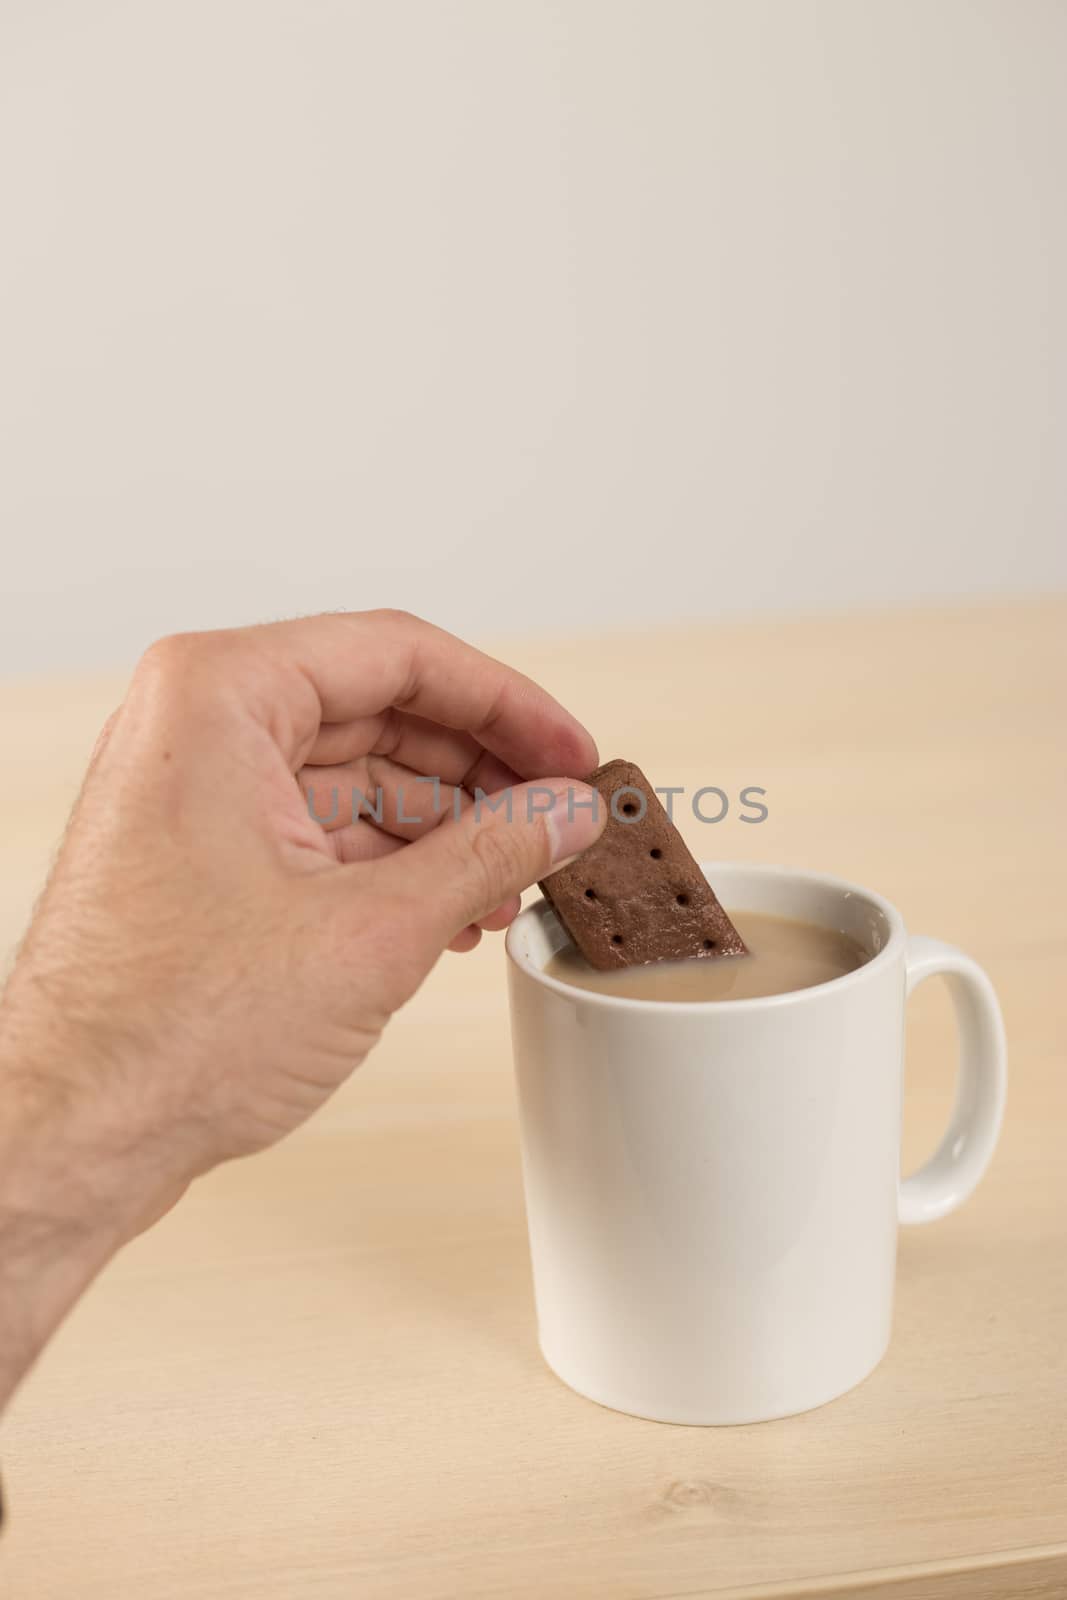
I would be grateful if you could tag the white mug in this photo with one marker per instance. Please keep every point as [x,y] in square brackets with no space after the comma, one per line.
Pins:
[713,1188]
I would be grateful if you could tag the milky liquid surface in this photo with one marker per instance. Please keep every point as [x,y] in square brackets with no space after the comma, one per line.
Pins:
[785,955]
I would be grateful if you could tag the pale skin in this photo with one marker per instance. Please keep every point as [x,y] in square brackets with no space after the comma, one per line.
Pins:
[208,961]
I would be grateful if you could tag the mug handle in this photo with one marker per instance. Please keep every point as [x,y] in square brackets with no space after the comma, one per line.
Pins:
[963,1155]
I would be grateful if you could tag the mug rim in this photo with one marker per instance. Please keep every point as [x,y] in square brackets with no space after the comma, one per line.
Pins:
[827,880]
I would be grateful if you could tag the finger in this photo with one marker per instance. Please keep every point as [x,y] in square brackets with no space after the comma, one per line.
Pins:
[360,664]
[394,798]
[412,742]
[362,841]
[376,790]
[467,939]
[461,872]
[503,916]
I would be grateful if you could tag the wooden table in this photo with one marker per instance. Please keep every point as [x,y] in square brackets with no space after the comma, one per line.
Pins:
[319,1376]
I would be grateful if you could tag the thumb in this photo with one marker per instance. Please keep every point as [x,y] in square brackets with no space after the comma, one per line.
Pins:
[503,843]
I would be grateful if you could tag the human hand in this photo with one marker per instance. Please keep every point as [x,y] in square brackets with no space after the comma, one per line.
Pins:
[208,962]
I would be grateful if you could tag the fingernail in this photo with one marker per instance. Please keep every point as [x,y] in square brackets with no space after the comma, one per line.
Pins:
[575,821]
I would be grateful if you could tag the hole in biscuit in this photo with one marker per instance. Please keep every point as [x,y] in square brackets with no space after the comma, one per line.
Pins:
[628,808]
[655,854]
[682,899]
[616,938]
[590,894]
[709,944]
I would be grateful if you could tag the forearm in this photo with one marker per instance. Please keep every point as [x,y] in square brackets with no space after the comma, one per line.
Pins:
[68,1200]
[53,1241]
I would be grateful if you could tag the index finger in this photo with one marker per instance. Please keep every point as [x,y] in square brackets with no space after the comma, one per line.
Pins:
[360,663]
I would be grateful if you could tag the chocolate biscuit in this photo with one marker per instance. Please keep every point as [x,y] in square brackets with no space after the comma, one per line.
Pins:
[637,895]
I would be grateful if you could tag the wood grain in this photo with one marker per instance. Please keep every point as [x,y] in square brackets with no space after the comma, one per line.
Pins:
[319,1376]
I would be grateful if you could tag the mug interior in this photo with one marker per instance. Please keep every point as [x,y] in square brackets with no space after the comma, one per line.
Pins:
[536,934]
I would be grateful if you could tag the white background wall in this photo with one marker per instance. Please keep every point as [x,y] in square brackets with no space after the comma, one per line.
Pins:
[525,312]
